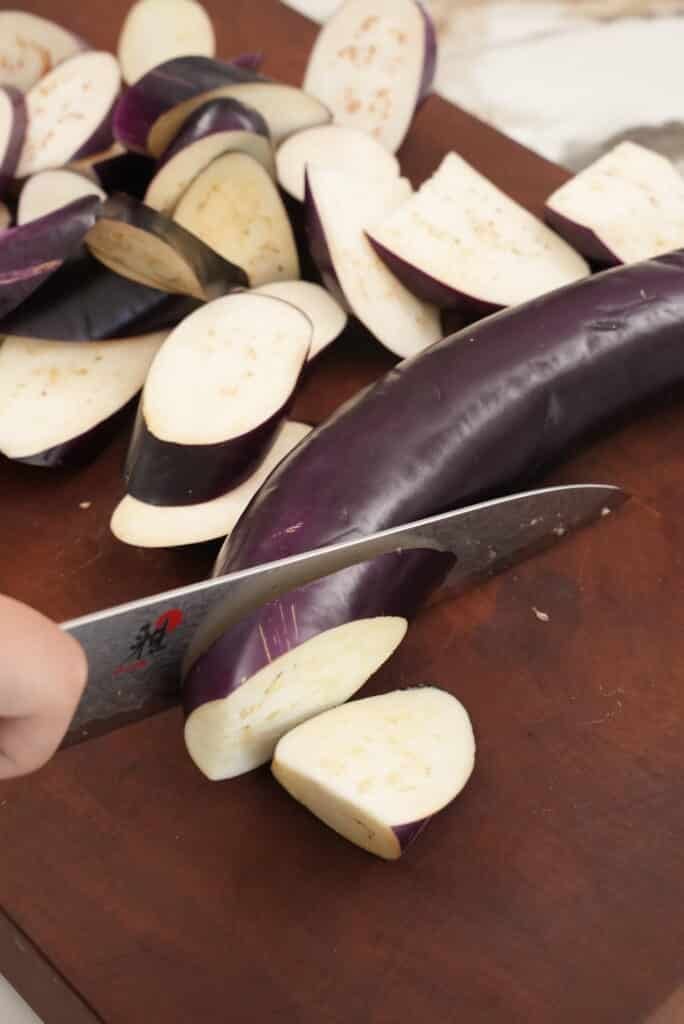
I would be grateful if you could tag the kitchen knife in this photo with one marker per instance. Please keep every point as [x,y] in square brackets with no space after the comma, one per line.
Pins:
[136,651]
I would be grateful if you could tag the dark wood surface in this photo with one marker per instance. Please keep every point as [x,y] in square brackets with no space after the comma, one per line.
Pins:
[550,893]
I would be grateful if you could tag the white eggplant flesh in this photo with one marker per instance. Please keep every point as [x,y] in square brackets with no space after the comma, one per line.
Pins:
[237,732]
[167,526]
[460,241]
[69,112]
[376,770]
[50,190]
[625,207]
[332,145]
[344,208]
[327,317]
[235,208]
[155,31]
[30,47]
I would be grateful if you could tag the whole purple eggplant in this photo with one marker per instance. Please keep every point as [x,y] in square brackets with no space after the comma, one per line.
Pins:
[470,416]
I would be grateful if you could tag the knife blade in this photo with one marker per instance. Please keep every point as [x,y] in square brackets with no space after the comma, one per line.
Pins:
[135,651]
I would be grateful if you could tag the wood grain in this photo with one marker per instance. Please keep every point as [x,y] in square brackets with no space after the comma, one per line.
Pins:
[550,893]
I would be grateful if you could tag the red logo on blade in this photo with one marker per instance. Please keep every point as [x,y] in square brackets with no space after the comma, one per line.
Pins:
[170,620]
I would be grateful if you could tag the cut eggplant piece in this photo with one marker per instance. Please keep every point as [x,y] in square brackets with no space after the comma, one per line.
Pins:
[371,65]
[32,253]
[69,112]
[235,208]
[57,399]
[5,217]
[463,244]
[376,770]
[165,87]
[148,248]
[332,145]
[12,131]
[232,730]
[30,47]
[326,315]
[157,526]
[85,301]
[285,109]
[625,207]
[340,207]
[156,31]
[215,398]
[51,190]
[220,126]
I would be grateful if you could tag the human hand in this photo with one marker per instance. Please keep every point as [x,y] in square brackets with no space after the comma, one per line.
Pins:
[42,675]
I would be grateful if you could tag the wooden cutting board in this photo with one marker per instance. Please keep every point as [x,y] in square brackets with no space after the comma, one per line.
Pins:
[550,893]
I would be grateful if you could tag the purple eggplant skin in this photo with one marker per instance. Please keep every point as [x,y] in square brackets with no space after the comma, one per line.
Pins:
[165,87]
[407,834]
[430,58]
[584,240]
[216,275]
[165,473]
[84,301]
[31,253]
[101,139]
[428,288]
[81,450]
[219,115]
[470,417]
[274,629]
[318,248]
[10,158]
[129,173]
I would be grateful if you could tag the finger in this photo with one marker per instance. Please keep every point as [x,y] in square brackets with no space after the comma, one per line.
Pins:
[42,676]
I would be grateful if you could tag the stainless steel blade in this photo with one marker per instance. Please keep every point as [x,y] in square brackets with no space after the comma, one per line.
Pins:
[135,650]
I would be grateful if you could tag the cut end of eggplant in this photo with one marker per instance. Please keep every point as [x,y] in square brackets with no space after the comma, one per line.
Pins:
[625,207]
[235,208]
[239,731]
[332,145]
[156,526]
[214,399]
[327,317]
[376,770]
[145,246]
[340,209]
[285,109]
[461,241]
[69,112]
[52,394]
[158,30]
[30,47]
[372,63]
[51,190]
[5,217]
[13,117]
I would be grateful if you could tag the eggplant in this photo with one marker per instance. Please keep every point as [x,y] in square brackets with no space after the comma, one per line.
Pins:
[126,172]
[166,86]
[60,401]
[339,208]
[234,207]
[285,109]
[70,112]
[217,127]
[214,399]
[167,526]
[30,47]
[626,206]
[85,301]
[327,317]
[32,253]
[377,770]
[145,246]
[372,64]
[5,217]
[12,131]
[472,416]
[48,191]
[332,145]
[464,245]
[156,31]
